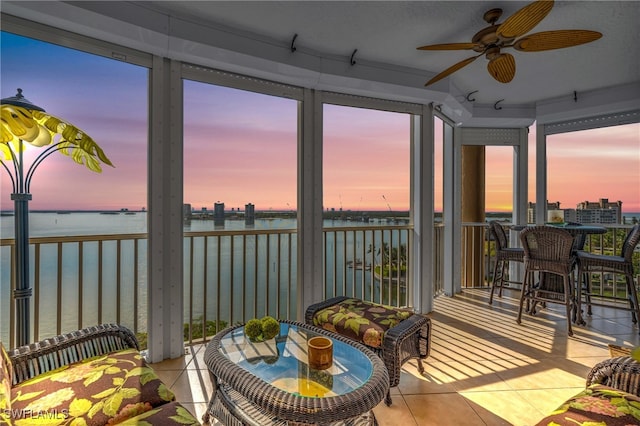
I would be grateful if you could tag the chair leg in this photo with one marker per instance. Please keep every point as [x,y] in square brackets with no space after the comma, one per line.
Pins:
[497,279]
[525,284]
[578,298]
[587,298]
[503,270]
[568,303]
[387,399]
[633,299]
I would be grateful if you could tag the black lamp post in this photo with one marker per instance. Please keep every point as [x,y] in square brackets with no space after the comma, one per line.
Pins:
[23,122]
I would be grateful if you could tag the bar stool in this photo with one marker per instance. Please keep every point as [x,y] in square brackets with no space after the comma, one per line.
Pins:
[548,251]
[504,255]
[623,265]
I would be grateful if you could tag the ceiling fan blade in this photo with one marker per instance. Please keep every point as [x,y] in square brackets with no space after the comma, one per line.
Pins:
[549,40]
[502,67]
[525,19]
[451,70]
[449,46]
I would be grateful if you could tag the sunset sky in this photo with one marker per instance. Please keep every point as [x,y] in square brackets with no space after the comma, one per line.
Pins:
[240,147]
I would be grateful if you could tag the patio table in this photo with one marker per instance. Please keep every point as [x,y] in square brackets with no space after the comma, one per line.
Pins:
[578,231]
[271,383]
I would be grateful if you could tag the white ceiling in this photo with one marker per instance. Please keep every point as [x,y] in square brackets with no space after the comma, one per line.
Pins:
[388,32]
[254,37]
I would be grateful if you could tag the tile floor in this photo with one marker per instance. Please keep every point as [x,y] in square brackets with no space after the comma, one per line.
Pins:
[484,368]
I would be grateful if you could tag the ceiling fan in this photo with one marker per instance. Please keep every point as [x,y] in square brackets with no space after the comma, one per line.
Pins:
[491,40]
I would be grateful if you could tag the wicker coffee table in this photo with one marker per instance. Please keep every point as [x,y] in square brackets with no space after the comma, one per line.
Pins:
[271,383]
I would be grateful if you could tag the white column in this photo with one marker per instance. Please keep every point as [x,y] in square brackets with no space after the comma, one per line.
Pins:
[422,206]
[520,178]
[541,175]
[310,241]
[165,199]
[452,219]
[520,196]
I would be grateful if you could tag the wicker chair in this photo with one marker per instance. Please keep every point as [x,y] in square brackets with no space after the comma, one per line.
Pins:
[621,372]
[548,251]
[504,255]
[46,355]
[93,376]
[589,262]
[610,397]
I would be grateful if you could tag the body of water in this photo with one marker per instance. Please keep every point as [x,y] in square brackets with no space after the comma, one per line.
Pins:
[248,272]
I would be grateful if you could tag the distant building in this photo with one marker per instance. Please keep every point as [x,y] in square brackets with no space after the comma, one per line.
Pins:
[186,211]
[249,214]
[218,214]
[601,211]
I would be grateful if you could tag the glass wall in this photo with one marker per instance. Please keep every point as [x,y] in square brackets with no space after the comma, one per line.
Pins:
[366,184]
[499,180]
[366,155]
[598,166]
[108,100]
[240,195]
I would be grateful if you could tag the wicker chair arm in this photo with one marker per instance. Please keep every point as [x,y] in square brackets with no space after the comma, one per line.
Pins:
[37,358]
[621,373]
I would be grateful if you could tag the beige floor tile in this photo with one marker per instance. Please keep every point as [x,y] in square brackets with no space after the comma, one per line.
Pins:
[540,375]
[442,409]
[547,400]
[193,386]
[435,379]
[176,363]
[168,377]
[396,414]
[503,408]
[609,326]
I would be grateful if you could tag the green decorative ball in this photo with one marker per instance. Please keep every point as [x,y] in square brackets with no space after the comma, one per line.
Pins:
[253,329]
[270,327]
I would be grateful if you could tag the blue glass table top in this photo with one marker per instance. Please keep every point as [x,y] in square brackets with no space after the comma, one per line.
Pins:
[283,363]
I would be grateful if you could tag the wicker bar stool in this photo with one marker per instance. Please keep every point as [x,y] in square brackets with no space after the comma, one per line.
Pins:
[504,255]
[623,265]
[548,251]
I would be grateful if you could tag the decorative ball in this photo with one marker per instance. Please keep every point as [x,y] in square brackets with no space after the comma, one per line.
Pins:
[270,327]
[253,329]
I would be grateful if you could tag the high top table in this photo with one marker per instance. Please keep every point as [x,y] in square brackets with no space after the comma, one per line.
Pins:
[578,231]
[271,383]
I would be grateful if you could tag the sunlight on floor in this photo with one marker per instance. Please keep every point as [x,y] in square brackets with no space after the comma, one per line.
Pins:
[483,369]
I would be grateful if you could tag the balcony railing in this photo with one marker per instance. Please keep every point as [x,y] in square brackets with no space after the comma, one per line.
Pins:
[231,276]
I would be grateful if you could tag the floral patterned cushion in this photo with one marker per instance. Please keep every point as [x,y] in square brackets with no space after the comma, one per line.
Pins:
[5,385]
[94,392]
[168,414]
[597,405]
[363,321]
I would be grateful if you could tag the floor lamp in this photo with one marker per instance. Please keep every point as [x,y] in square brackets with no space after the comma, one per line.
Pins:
[25,123]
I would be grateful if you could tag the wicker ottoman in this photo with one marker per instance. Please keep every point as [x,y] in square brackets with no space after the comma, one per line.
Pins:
[396,335]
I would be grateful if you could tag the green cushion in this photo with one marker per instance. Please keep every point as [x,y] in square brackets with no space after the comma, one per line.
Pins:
[597,405]
[93,391]
[169,414]
[362,321]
